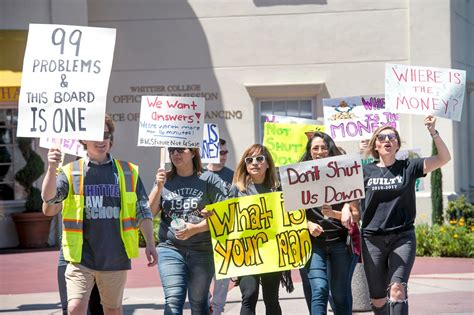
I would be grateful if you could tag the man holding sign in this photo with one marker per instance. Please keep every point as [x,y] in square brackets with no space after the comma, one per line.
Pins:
[104,204]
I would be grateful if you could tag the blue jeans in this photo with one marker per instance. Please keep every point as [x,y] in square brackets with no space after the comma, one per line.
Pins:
[182,272]
[219,295]
[336,260]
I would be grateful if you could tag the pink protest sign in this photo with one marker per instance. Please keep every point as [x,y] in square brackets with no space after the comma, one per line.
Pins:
[425,90]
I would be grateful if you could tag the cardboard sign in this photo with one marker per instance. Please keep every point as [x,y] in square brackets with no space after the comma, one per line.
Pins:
[210,144]
[425,90]
[170,121]
[325,181]
[66,73]
[357,117]
[67,146]
[255,234]
[287,142]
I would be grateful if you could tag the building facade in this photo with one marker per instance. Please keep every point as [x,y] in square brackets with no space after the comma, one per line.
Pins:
[249,58]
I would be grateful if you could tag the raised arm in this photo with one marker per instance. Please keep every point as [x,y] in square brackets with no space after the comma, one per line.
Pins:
[155,194]
[436,161]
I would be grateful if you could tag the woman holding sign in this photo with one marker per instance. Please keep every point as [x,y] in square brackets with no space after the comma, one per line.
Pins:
[185,259]
[332,263]
[389,210]
[256,174]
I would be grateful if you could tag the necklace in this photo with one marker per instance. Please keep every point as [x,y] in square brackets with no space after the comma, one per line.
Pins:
[389,169]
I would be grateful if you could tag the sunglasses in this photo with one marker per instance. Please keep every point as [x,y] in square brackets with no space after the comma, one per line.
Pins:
[223,152]
[179,150]
[251,159]
[107,135]
[390,136]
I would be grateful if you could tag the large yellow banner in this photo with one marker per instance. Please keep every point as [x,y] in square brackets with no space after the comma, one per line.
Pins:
[255,234]
[286,141]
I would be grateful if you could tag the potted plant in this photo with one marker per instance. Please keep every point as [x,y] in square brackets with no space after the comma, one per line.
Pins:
[32,225]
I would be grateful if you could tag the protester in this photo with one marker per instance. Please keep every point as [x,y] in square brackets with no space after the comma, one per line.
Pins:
[256,174]
[99,235]
[185,256]
[388,215]
[332,260]
[225,174]
[354,233]
[94,306]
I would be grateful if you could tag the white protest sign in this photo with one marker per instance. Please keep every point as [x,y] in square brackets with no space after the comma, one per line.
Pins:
[357,117]
[170,121]
[68,146]
[66,73]
[210,144]
[325,181]
[425,90]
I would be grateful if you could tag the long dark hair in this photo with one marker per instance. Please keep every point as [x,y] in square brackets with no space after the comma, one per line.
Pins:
[332,147]
[197,165]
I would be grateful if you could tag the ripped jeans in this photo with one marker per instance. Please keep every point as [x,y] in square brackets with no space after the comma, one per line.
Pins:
[389,259]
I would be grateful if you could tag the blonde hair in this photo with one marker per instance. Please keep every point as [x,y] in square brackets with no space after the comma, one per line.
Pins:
[371,146]
[242,178]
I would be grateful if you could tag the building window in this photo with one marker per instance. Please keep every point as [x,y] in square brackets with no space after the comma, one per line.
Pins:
[301,108]
[9,154]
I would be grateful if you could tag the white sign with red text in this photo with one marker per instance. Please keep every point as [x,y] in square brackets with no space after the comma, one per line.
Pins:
[425,90]
[329,181]
[170,121]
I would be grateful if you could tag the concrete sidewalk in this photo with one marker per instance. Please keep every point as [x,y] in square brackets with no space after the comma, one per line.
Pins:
[437,286]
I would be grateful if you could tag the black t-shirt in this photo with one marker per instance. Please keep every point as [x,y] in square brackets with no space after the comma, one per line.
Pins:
[390,202]
[334,231]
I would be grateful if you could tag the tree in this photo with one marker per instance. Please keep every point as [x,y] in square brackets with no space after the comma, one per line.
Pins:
[436,192]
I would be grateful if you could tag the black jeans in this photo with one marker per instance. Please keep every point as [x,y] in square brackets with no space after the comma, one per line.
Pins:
[249,287]
[389,259]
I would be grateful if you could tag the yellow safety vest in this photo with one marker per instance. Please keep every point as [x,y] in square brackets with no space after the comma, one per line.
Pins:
[73,209]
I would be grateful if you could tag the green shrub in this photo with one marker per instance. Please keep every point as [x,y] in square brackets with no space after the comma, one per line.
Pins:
[460,212]
[156,226]
[444,240]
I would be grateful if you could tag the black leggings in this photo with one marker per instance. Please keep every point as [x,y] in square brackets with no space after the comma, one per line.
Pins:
[249,287]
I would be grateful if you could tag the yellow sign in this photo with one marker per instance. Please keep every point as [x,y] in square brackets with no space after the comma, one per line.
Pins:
[9,94]
[255,234]
[287,142]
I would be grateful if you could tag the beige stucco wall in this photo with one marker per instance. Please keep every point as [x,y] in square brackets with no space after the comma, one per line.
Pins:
[228,49]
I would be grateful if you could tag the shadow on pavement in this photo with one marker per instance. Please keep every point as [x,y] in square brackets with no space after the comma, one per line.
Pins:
[33,307]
